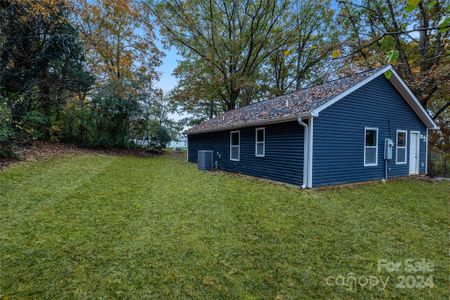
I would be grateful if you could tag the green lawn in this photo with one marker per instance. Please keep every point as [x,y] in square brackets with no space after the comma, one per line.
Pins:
[104,226]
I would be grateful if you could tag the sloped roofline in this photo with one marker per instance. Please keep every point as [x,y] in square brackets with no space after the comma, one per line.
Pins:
[251,124]
[395,79]
[401,87]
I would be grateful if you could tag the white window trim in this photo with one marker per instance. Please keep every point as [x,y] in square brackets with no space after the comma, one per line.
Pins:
[263,129]
[238,146]
[397,147]
[371,147]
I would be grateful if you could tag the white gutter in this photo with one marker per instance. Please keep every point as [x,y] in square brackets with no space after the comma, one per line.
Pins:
[305,152]
[251,124]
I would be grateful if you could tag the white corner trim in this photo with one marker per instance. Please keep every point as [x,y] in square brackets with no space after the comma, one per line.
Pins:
[350,90]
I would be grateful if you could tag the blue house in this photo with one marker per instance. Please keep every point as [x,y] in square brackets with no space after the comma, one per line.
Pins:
[358,128]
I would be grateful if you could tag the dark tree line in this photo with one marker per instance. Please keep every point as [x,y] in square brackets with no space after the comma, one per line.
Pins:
[60,82]
[41,65]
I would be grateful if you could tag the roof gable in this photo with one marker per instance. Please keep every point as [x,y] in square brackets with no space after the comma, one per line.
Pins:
[401,87]
[307,102]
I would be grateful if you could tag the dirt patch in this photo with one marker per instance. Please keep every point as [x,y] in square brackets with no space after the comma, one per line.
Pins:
[178,154]
[39,150]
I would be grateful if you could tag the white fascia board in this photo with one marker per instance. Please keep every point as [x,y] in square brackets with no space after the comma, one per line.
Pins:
[253,124]
[401,87]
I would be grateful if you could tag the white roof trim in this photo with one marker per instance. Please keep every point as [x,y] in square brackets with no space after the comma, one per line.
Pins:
[251,124]
[399,84]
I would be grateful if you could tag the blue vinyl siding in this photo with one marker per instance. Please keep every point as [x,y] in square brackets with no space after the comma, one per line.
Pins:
[283,160]
[338,155]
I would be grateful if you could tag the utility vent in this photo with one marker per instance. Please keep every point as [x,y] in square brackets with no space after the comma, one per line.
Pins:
[205,160]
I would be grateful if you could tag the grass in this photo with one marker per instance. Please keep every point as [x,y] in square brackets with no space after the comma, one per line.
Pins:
[123,227]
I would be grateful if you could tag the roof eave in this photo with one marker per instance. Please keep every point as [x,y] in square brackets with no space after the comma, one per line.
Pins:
[252,124]
[395,79]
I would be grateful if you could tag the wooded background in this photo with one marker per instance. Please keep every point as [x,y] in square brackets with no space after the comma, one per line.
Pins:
[85,71]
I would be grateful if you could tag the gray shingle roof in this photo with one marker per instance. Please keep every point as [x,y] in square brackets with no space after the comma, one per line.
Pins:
[284,107]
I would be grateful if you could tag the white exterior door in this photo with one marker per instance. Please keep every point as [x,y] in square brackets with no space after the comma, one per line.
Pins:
[414,153]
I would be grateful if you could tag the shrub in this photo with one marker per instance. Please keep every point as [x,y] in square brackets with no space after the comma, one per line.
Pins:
[34,124]
[159,136]
[6,132]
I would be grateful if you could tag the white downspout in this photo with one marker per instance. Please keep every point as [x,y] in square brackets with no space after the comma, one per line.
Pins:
[305,152]
[426,155]
[310,151]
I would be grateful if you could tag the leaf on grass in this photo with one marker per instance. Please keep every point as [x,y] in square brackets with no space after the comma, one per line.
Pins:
[207,280]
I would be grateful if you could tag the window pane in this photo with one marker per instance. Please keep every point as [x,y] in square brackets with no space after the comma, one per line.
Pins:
[401,155]
[234,152]
[259,149]
[371,155]
[260,135]
[401,139]
[235,138]
[371,137]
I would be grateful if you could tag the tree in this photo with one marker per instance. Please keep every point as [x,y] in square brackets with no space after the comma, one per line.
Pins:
[304,59]
[41,61]
[121,50]
[413,36]
[223,43]
[120,43]
[159,136]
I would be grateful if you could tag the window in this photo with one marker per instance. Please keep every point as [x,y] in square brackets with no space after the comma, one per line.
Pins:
[400,157]
[235,145]
[260,142]
[371,147]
